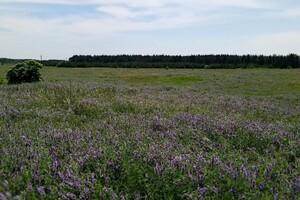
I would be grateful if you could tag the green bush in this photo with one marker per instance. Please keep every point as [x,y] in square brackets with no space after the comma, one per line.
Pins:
[1,81]
[25,72]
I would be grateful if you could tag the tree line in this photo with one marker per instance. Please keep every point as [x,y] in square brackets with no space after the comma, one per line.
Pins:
[178,61]
[10,61]
[51,62]
[173,61]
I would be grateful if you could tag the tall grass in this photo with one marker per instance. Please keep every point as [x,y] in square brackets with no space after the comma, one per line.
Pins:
[93,140]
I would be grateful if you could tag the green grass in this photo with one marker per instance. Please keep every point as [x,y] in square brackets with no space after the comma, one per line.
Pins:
[100,133]
[249,82]
[253,82]
[3,71]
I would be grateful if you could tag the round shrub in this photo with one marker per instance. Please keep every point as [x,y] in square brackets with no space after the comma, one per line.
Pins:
[24,72]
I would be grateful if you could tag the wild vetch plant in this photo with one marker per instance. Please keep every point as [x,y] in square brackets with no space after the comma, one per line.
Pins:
[90,141]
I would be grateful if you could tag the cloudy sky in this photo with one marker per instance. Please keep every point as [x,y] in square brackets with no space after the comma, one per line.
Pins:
[62,28]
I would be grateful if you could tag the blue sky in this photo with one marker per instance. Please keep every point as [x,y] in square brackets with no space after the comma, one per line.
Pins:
[62,28]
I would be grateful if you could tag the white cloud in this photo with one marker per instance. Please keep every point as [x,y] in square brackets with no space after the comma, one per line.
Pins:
[112,18]
[291,12]
[130,15]
[247,3]
[276,43]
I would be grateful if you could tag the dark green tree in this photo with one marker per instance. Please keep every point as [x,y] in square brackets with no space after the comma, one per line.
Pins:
[24,72]
[293,61]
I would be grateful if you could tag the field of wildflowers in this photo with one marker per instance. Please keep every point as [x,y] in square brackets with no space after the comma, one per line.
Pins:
[92,140]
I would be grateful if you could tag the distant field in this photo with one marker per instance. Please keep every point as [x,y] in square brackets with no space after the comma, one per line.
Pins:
[257,82]
[99,133]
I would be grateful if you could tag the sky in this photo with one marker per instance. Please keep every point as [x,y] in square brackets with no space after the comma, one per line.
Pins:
[59,29]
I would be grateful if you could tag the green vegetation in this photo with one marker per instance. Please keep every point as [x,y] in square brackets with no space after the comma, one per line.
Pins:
[178,61]
[250,82]
[9,61]
[24,72]
[253,82]
[102,133]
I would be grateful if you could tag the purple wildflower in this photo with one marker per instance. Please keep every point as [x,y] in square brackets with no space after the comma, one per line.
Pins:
[41,191]
[198,170]
[5,183]
[114,195]
[203,190]
[261,185]
[275,193]
[70,195]
[245,172]
[77,184]
[8,194]
[29,187]
[201,180]
[199,173]
[216,190]
[215,161]
[55,163]
[158,168]
[232,190]
[106,189]
[81,162]
[2,196]
[253,183]
[201,159]
[60,176]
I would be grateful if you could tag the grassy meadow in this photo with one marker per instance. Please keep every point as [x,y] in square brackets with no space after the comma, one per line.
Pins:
[101,133]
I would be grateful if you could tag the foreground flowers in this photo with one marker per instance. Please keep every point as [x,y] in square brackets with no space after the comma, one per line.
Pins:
[88,141]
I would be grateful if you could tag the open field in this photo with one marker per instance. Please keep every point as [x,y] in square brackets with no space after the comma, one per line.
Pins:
[250,82]
[151,134]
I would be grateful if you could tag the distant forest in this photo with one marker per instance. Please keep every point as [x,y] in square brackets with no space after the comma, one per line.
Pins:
[174,61]
[10,61]
[192,61]
[15,61]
